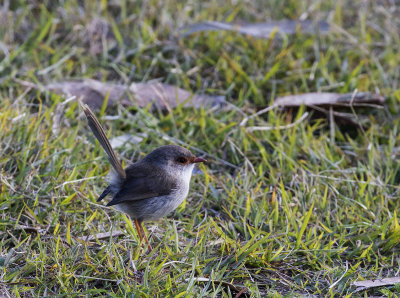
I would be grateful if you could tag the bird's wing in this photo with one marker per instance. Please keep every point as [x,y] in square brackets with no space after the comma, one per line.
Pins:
[144,182]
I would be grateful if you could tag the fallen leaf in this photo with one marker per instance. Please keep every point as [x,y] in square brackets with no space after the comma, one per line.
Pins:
[159,95]
[367,284]
[260,30]
[325,102]
[91,92]
[331,99]
[163,96]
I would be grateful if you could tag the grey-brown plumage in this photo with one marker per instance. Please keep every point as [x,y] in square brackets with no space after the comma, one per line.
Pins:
[102,138]
[153,186]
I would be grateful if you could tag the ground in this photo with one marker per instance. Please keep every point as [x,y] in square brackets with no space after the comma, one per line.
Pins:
[304,209]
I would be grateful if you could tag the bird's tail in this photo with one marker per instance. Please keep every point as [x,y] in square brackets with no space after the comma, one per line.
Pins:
[100,135]
[104,193]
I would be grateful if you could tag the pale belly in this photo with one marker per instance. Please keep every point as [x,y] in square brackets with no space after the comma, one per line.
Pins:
[153,208]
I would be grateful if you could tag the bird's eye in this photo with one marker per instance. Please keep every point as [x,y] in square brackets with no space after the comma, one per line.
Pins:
[181,160]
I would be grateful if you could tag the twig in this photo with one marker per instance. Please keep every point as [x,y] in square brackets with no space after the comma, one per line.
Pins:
[335,283]
[354,181]
[26,83]
[264,128]
[75,181]
[242,291]
[236,108]
[267,109]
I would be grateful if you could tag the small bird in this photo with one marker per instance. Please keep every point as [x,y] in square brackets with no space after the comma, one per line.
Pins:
[151,187]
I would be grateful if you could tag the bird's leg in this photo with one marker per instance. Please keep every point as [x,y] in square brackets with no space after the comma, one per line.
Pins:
[145,237]
[138,228]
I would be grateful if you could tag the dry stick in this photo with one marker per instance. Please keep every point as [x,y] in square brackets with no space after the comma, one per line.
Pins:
[336,282]
[264,128]
[26,83]
[242,291]
[354,181]
[75,181]
[236,108]
[263,111]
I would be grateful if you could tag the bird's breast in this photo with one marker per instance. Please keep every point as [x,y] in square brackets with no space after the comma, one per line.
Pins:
[182,189]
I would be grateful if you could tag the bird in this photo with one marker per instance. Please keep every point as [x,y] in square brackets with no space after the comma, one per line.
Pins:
[150,188]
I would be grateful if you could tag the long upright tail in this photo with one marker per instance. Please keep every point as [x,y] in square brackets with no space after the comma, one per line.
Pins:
[99,133]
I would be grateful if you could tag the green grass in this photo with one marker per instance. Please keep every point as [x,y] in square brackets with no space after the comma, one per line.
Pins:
[305,210]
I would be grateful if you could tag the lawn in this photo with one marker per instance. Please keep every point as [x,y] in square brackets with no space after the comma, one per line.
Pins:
[306,206]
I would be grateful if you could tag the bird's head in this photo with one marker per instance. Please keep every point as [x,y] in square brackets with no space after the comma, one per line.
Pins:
[174,158]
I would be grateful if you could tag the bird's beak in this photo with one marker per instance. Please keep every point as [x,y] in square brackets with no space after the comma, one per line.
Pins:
[198,159]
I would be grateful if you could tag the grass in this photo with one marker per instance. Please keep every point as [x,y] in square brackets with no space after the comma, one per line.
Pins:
[306,210]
